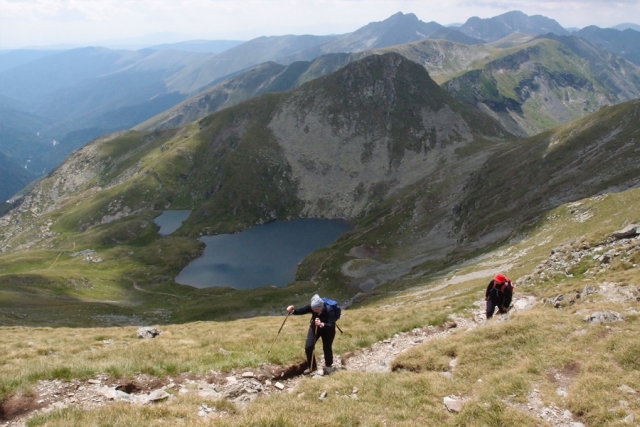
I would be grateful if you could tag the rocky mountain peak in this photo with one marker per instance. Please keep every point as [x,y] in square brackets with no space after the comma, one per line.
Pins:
[397,29]
[377,124]
[402,17]
[500,26]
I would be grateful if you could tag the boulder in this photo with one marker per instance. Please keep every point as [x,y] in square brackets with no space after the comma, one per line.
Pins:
[147,332]
[158,395]
[629,231]
[604,317]
[452,404]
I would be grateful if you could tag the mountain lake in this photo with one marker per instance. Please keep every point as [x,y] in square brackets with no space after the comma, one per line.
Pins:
[170,221]
[263,255]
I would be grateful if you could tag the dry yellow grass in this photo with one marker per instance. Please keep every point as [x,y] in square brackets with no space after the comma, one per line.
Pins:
[570,363]
[30,354]
[498,365]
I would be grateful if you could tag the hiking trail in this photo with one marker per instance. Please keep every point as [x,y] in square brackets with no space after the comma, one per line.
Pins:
[244,385]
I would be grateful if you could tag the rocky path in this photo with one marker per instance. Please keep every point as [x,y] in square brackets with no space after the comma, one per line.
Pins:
[243,386]
[379,356]
[240,386]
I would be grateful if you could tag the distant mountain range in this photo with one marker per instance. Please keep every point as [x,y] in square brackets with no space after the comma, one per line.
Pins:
[13,58]
[625,26]
[202,46]
[492,29]
[625,43]
[80,94]
[529,87]
[395,30]
[546,82]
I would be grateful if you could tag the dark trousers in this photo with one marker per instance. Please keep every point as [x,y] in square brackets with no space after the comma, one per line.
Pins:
[327,334]
[502,304]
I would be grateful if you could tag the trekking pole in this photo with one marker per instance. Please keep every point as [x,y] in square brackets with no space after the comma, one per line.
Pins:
[313,352]
[274,340]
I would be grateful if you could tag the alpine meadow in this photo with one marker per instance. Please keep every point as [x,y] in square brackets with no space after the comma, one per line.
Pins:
[508,145]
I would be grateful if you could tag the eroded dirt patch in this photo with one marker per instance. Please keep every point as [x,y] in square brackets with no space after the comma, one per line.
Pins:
[15,406]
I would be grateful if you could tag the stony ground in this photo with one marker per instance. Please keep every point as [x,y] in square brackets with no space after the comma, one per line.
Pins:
[243,386]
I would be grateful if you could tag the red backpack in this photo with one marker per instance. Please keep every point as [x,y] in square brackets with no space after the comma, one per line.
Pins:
[502,287]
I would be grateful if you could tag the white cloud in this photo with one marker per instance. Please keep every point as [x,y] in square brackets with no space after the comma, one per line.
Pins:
[46,22]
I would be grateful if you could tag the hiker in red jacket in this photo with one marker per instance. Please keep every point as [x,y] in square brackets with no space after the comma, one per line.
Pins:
[323,325]
[499,294]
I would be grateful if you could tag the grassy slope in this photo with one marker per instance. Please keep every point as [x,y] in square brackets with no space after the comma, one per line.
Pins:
[545,341]
[591,155]
[261,79]
[510,79]
[180,169]
[226,167]
[511,358]
[131,252]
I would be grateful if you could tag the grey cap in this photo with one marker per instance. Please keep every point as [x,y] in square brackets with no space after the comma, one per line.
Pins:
[316,301]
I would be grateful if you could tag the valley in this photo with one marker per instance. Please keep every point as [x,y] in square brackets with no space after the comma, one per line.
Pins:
[449,154]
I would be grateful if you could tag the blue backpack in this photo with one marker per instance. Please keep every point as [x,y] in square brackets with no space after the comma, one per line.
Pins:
[334,305]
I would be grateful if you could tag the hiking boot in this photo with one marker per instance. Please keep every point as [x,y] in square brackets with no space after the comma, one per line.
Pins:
[306,371]
[328,370]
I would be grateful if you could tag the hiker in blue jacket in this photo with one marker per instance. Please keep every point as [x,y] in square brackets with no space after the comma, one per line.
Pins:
[323,325]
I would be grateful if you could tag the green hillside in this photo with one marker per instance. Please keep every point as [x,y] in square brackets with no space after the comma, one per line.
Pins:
[441,197]
[234,169]
[528,85]
[466,194]
[537,366]
[546,82]
[261,79]
[594,155]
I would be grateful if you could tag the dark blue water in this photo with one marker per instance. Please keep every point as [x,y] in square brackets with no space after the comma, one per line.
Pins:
[170,221]
[263,255]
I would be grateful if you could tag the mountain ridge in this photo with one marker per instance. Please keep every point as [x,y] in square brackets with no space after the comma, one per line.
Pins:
[441,197]
[492,29]
[624,43]
[543,84]
[132,99]
[402,146]
[417,130]
[556,80]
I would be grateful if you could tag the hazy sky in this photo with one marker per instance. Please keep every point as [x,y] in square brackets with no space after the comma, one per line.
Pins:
[28,23]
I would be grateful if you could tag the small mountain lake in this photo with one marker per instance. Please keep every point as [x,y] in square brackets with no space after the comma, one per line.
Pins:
[263,255]
[170,221]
